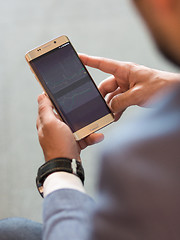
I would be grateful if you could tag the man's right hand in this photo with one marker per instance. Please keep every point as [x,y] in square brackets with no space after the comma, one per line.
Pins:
[130,84]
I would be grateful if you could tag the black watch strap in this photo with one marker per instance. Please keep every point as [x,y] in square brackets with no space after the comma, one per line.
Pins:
[58,165]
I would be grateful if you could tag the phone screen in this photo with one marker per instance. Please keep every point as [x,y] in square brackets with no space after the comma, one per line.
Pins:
[70,87]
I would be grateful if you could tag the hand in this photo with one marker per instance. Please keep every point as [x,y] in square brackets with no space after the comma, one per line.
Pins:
[130,84]
[55,137]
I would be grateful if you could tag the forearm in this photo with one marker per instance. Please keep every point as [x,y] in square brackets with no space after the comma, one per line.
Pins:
[67,208]
[66,215]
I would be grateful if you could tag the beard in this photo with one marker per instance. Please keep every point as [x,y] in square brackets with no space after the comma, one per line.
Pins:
[169,55]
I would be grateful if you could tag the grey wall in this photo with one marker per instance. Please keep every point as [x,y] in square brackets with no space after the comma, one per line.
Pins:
[104,28]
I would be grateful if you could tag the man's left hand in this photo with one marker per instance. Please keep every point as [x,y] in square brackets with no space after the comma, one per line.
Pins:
[55,137]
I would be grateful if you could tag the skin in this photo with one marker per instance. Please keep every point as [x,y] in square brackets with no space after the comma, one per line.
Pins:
[163,21]
[129,84]
[55,137]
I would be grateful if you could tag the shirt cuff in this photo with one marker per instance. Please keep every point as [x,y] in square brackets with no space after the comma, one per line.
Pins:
[61,180]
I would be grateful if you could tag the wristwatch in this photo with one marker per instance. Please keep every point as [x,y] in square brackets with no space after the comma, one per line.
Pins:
[58,165]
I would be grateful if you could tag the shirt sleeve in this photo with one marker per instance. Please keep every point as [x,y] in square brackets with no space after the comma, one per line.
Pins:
[62,180]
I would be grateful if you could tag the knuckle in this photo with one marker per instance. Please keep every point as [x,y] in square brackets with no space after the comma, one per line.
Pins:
[133,64]
[136,95]
[115,104]
[41,108]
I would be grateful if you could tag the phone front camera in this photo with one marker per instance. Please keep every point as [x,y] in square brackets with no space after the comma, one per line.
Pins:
[54,41]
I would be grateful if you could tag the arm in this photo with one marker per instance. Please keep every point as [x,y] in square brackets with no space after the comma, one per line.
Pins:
[66,215]
[61,210]
[66,210]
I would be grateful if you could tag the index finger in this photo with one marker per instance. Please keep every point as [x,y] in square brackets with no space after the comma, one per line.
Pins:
[104,64]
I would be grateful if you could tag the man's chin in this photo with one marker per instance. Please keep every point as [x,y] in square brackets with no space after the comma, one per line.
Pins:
[169,56]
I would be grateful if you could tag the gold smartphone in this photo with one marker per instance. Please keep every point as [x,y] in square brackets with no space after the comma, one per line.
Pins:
[68,84]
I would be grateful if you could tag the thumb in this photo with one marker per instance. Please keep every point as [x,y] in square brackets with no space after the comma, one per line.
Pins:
[45,108]
[121,101]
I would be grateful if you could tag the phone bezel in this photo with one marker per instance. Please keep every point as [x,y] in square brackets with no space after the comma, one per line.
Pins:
[47,47]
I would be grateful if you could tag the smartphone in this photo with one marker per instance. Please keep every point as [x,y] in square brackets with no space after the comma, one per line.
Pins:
[68,84]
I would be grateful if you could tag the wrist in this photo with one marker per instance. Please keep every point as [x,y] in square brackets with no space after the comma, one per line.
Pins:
[58,165]
[48,156]
[62,180]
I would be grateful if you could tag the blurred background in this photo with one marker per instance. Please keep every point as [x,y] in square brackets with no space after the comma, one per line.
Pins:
[105,28]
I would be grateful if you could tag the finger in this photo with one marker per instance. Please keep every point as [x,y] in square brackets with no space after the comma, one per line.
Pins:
[45,108]
[121,101]
[104,64]
[91,139]
[113,94]
[117,116]
[108,85]
[37,123]
[57,115]
[94,138]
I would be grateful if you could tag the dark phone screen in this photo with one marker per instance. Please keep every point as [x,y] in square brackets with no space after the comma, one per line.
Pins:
[70,87]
